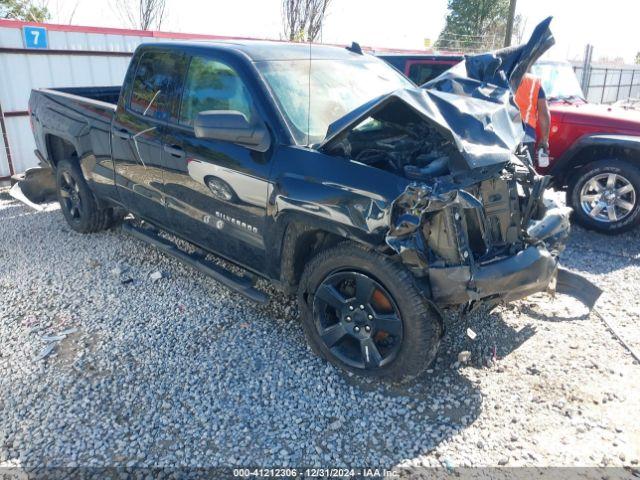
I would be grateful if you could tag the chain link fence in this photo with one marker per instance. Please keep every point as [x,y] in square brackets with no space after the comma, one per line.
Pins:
[609,84]
[469,44]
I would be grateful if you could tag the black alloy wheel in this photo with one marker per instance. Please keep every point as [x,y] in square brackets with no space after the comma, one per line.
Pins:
[357,320]
[80,208]
[365,313]
[70,195]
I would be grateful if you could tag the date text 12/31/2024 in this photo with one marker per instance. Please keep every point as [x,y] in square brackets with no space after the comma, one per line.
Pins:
[315,472]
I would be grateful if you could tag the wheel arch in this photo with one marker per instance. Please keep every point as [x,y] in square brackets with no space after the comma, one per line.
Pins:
[591,148]
[59,148]
[303,238]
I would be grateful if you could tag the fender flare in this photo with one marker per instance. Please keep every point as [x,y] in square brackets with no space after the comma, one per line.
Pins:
[563,165]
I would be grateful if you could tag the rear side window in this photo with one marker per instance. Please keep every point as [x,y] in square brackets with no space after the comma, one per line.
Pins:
[423,72]
[212,85]
[153,83]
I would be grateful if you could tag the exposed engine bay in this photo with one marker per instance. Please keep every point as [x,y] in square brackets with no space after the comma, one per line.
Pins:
[463,214]
[412,148]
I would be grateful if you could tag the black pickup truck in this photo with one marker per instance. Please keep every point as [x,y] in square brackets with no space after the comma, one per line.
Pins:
[325,171]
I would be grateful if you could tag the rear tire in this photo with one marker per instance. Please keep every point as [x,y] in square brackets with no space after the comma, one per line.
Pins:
[370,341]
[77,202]
[605,196]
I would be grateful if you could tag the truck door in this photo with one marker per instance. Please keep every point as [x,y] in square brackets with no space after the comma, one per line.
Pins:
[216,191]
[138,129]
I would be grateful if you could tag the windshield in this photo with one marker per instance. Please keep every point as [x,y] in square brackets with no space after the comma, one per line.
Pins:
[337,87]
[558,80]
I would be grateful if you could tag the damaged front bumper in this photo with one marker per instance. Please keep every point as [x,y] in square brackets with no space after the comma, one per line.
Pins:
[528,271]
[489,242]
[512,278]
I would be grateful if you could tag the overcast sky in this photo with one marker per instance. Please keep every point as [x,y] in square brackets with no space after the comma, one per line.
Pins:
[611,25]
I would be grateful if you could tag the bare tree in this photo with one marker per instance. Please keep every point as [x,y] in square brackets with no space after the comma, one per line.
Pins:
[303,19]
[519,26]
[72,13]
[141,14]
[317,11]
[291,19]
[63,11]
[508,34]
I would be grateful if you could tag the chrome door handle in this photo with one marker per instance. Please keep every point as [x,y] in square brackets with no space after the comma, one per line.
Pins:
[122,133]
[174,151]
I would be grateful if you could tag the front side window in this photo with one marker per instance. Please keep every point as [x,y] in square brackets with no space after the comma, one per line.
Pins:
[212,85]
[153,83]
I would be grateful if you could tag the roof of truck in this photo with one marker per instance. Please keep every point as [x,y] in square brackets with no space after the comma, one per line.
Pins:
[454,57]
[264,50]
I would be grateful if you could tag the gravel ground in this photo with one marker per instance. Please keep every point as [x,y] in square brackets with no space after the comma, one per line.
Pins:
[179,371]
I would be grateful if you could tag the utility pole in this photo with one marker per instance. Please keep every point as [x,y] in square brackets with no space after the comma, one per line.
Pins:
[586,69]
[509,32]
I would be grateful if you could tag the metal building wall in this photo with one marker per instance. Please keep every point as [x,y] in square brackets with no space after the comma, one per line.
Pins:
[76,56]
[68,62]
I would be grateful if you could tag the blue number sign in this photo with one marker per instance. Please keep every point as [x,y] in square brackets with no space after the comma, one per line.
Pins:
[35,37]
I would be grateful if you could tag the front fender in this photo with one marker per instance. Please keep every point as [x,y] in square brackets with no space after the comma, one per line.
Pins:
[333,194]
[569,159]
[333,208]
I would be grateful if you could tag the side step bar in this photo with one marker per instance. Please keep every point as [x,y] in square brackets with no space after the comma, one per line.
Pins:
[242,285]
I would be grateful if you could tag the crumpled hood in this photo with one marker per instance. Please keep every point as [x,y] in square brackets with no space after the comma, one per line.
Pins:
[471,104]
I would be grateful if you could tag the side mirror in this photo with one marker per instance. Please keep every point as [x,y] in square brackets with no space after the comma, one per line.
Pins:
[232,126]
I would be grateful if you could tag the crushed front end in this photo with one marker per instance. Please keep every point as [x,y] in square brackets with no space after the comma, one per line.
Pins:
[483,237]
[472,220]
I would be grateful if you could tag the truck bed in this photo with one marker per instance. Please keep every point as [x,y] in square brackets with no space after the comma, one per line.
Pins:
[77,121]
[102,94]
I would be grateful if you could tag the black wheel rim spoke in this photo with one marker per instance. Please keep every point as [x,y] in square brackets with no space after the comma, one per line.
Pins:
[70,194]
[68,179]
[390,324]
[333,335]
[328,294]
[370,353]
[364,289]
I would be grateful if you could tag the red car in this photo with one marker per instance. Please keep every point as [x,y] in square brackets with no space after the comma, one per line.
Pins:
[594,149]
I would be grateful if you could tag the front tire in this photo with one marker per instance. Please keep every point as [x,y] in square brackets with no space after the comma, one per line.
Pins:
[364,313]
[605,196]
[77,202]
